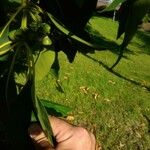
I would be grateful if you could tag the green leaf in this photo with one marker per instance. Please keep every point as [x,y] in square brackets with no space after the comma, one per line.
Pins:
[39,110]
[5,42]
[113,5]
[87,7]
[137,12]
[44,120]
[55,109]
[55,66]
[70,50]
[55,72]
[74,14]
[131,15]
[67,46]
[5,47]
[43,64]
[10,20]
[66,32]
[123,16]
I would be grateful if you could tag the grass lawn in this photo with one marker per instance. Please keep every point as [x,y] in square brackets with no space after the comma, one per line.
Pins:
[114,105]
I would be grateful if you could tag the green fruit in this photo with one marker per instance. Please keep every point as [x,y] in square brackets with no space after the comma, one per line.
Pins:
[45,28]
[46,41]
[13,35]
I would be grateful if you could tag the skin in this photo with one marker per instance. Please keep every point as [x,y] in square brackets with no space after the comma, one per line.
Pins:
[68,137]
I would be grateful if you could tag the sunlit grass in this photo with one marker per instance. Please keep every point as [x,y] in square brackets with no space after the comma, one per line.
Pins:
[111,104]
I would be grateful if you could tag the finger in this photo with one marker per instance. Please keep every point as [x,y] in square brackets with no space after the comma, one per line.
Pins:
[61,129]
[93,141]
[38,137]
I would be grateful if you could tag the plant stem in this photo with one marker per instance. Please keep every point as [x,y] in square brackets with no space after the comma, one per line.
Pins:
[24,16]
[24,20]
[11,19]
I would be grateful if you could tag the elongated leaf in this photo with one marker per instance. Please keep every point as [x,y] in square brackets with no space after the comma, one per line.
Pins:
[55,67]
[70,50]
[113,5]
[5,42]
[10,20]
[43,118]
[136,13]
[43,64]
[123,14]
[86,12]
[67,46]
[11,68]
[65,31]
[55,72]
[55,109]
[133,12]
[74,14]
[38,108]
[5,47]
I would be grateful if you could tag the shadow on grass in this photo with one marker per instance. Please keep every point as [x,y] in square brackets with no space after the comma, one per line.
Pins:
[145,38]
[104,43]
[117,74]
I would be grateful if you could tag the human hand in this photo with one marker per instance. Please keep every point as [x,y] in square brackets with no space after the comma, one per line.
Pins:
[68,137]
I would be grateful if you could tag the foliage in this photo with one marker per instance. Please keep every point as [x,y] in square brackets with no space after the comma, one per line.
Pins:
[110,104]
[130,16]
[31,32]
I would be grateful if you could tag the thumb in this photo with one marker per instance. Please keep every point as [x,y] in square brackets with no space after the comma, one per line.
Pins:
[38,137]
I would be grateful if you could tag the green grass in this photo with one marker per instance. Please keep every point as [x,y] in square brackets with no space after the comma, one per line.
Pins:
[110,104]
